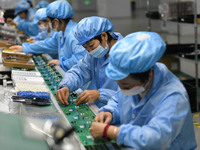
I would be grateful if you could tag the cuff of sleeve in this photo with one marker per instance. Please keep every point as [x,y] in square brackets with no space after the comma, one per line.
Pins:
[102,98]
[61,64]
[34,38]
[120,137]
[24,49]
[66,85]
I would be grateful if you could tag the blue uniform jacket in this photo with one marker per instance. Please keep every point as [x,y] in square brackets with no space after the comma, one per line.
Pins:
[29,28]
[160,120]
[65,45]
[92,69]
[30,16]
[26,25]
[41,36]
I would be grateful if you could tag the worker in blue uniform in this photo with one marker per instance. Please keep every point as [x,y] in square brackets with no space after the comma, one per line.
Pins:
[42,4]
[94,34]
[38,26]
[24,15]
[63,43]
[24,11]
[32,9]
[41,22]
[151,109]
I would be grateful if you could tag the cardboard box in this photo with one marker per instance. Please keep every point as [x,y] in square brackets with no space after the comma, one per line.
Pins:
[17,60]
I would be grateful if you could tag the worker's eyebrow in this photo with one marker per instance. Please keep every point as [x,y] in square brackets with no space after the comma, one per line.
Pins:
[87,43]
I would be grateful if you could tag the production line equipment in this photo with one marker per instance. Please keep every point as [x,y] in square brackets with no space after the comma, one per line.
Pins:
[78,117]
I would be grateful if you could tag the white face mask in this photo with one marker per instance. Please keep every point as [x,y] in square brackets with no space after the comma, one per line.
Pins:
[134,91]
[43,27]
[99,52]
[54,29]
[50,25]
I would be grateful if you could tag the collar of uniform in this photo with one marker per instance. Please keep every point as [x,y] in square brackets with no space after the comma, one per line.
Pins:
[67,29]
[69,26]
[157,79]
[105,61]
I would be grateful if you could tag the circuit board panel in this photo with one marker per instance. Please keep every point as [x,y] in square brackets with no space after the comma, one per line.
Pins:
[80,117]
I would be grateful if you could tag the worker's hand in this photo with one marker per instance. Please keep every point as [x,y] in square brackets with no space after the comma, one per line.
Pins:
[10,21]
[31,40]
[88,96]
[16,48]
[21,32]
[104,117]
[54,61]
[97,129]
[62,95]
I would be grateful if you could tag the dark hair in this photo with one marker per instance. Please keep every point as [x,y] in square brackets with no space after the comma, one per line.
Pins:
[142,77]
[30,3]
[25,11]
[65,20]
[98,37]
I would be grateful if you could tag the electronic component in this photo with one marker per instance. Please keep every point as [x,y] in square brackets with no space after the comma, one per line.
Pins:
[31,101]
[30,94]
[31,87]
[79,117]
[30,80]
[26,73]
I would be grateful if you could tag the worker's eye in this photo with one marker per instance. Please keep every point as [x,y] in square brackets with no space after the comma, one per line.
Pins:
[90,46]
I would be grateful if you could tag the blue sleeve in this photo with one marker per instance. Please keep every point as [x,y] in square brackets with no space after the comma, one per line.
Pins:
[31,14]
[49,45]
[52,33]
[112,106]
[41,36]
[77,54]
[106,94]
[161,130]
[17,19]
[29,28]
[78,75]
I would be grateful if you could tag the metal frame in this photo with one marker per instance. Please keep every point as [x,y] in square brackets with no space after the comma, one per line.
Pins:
[178,38]
[196,50]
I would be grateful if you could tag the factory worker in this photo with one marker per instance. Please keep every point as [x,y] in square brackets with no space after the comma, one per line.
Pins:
[37,26]
[25,15]
[151,109]
[63,43]
[31,5]
[94,34]
[23,11]
[42,4]
[41,22]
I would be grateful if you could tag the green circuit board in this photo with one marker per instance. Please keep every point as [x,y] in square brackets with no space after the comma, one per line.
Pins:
[80,117]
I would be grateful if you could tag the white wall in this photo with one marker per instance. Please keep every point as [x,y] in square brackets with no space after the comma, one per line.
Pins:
[8,4]
[79,5]
[114,8]
[143,4]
